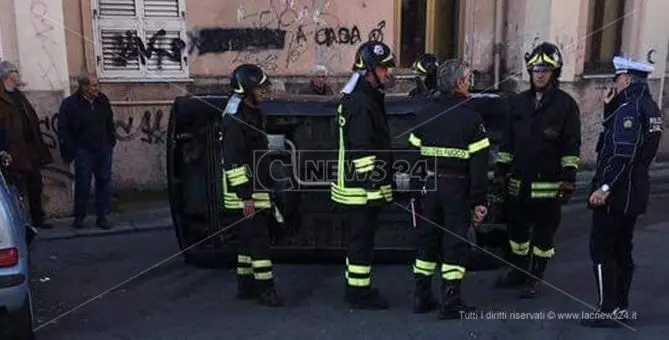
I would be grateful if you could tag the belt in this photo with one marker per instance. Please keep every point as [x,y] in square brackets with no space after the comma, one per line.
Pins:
[447,174]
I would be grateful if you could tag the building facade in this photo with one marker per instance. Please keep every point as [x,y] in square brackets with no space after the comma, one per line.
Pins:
[147,52]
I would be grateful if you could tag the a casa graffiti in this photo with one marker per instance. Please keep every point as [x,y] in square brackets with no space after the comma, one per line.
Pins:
[275,36]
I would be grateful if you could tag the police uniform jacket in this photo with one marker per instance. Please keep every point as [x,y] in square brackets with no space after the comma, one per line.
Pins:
[541,143]
[244,143]
[453,142]
[364,171]
[632,131]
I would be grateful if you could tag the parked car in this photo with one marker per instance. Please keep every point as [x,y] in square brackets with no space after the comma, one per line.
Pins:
[16,311]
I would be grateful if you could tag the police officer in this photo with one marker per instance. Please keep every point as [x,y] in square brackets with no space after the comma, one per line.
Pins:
[457,147]
[363,172]
[426,83]
[540,151]
[620,188]
[243,135]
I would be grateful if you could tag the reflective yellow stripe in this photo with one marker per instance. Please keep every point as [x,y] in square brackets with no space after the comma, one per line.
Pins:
[358,269]
[452,272]
[238,181]
[520,248]
[570,161]
[364,169]
[543,253]
[262,263]
[505,157]
[374,195]
[414,140]
[364,161]
[263,276]
[424,267]
[544,194]
[244,271]
[235,172]
[444,152]
[244,259]
[545,185]
[387,192]
[478,146]
[359,282]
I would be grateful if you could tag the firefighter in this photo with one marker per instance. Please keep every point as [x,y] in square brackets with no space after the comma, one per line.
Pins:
[426,82]
[540,152]
[363,171]
[457,147]
[620,188]
[243,134]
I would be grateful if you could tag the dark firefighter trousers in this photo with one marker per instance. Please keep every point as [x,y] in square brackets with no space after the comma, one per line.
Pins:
[532,226]
[442,231]
[360,249]
[254,246]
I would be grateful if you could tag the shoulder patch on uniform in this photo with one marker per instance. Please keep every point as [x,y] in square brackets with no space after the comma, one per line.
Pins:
[233,105]
[628,122]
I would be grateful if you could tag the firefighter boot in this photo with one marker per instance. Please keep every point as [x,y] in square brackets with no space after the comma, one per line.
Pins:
[514,275]
[623,283]
[246,287]
[423,300]
[267,294]
[533,280]
[605,316]
[452,306]
[365,298]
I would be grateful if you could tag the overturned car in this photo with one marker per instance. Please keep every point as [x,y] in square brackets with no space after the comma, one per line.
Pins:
[302,146]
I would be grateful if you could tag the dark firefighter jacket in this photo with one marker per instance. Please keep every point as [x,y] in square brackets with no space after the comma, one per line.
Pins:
[364,148]
[452,139]
[541,143]
[244,143]
[632,131]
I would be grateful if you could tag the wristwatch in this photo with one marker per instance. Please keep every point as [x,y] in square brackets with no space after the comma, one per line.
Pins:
[605,188]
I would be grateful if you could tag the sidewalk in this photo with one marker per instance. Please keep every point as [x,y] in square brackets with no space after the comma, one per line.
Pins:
[156,215]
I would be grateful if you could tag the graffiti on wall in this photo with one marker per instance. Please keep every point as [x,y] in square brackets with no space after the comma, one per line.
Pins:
[278,35]
[131,47]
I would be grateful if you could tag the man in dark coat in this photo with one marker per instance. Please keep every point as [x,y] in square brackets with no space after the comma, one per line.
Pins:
[22,140]
[86,127]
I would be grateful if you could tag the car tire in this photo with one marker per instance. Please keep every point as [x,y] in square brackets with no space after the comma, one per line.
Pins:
[21,322]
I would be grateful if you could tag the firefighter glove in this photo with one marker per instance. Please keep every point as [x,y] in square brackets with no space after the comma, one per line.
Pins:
[566,190]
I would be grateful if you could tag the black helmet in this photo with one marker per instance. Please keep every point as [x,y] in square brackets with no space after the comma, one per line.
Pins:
[426,64]
[372,54]
[546,55]
[247,77]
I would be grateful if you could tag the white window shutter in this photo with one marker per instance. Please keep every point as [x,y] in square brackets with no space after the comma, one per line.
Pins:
[161,8]
[117,8]
[140,39]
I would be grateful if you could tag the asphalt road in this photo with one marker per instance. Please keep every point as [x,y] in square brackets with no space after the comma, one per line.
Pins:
[126,287]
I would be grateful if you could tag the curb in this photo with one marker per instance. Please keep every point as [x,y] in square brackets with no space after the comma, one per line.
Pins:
[119,229]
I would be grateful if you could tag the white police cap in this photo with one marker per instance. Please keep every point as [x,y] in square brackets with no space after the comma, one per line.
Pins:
[623,65]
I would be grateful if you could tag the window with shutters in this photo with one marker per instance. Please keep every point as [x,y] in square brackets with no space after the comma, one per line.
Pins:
[140,39]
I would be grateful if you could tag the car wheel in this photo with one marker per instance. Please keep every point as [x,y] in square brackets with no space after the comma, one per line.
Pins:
[21,322]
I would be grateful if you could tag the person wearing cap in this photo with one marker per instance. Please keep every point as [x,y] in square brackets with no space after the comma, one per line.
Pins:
[633,125]
[244,139]
[426,82]
[538,159]
[318,84]
[363,174]
[23,142]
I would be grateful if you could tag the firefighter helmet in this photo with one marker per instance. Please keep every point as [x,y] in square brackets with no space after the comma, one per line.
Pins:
[544,56]
[426,64]
[372,54]
[246,78]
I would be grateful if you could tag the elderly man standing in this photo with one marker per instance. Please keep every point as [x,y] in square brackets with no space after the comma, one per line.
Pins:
[86,127]
[20,126]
